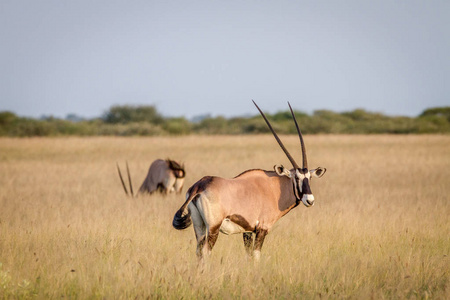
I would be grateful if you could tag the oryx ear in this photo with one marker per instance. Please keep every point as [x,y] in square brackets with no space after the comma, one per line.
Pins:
[282,171]
[318,172]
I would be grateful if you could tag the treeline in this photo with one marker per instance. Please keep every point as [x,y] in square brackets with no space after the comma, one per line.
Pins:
[147,121]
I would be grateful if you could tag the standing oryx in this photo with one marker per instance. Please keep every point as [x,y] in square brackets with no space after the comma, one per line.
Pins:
[165,176]
[249,203]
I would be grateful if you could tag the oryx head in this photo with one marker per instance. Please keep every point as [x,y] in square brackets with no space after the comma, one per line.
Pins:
[300,177]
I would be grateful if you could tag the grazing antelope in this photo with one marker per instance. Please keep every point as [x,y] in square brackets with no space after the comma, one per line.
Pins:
[250,203]
[165,176]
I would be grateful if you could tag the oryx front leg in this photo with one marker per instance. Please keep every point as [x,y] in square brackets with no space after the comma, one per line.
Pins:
[259,240]
[248,243]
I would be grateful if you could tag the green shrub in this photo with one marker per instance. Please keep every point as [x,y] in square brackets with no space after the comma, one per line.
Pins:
[132,114]
[177,126]
[146,121]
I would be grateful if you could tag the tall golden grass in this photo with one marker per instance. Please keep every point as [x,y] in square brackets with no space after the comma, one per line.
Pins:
[380,227]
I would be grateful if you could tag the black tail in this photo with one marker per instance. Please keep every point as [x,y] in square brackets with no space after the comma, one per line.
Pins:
[181,221]
[182,218]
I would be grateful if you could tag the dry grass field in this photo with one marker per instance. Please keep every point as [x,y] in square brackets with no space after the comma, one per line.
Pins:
[380,227]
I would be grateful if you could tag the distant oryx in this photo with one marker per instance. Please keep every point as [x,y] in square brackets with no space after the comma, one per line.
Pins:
[249,203]
[165,176]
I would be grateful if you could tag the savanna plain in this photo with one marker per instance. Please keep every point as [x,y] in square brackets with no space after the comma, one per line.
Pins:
[380,227]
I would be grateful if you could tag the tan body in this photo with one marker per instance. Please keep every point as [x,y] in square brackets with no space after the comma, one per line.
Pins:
[164,177]
[249,203]
[236,198]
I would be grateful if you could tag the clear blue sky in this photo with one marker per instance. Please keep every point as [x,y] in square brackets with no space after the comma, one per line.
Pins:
[190,58]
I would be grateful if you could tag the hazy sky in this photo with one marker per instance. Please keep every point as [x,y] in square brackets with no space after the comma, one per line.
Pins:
[196,57]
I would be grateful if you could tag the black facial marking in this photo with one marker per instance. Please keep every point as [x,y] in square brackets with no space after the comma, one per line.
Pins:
[305,187]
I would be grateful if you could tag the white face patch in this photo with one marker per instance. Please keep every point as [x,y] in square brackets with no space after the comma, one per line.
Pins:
[303,176]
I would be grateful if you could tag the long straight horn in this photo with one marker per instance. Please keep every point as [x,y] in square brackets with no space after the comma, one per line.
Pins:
[129,180]
[121,179]
[305,161]
[291,159]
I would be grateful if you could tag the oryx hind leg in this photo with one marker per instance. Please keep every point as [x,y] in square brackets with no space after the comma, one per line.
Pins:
[213,234]
[259,240]
[248,243]
[205,232]
[199,228]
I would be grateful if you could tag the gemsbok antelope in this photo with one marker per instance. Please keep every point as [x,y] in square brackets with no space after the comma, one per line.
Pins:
[250,203]
[165,176]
